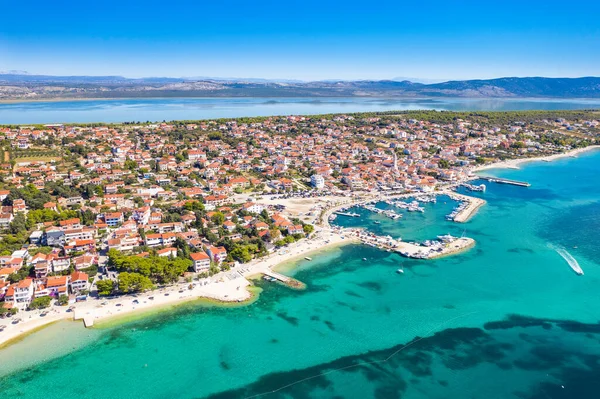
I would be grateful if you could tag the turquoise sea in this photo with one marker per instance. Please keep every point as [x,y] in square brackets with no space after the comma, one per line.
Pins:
[159,109]
[506,319]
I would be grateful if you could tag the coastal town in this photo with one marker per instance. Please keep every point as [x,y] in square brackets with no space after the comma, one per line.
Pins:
[99,220]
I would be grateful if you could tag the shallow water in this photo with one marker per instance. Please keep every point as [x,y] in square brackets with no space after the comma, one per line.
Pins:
[159,109]
[506,319]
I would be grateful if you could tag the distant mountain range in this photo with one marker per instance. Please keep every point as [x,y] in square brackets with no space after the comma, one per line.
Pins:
[25,86]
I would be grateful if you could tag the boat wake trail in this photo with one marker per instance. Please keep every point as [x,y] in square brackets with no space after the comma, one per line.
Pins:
[569,258]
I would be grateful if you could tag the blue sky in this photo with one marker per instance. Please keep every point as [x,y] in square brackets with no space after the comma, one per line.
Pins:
[308,40]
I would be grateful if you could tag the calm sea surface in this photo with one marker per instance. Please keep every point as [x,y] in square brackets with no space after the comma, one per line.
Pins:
[142,110]
[506,319]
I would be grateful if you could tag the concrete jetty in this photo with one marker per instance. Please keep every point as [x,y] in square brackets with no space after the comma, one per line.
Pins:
[447,245]
[276,276]
[289,281]
[411,250]
[88,321]
[473,204]
[87,316]
[505,181]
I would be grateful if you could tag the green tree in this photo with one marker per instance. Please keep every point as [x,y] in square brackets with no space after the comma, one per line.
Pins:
[8,312]
[130,164]
[444,164]
[214,269]
[134,282]
[264,215]
[20,274]
[308,228]
[63,300]
[18,224]
[105,287]
[241,254]
[183,247]
[194,206]
[40,303]
[218,218]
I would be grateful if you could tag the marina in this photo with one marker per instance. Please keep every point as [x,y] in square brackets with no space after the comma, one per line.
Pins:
[473,187]
[349,214]
[466,208]
[457,210]
[413,206]
[412,203]
[388,213]
[429,249]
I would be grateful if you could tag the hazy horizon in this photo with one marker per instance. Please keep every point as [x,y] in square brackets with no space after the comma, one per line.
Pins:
[258,78]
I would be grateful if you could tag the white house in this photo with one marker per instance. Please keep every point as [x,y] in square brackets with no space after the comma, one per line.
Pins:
[317,181]
[113,218]
[170,251]
[217,254]
[79,281]
[23,291]
[201,261]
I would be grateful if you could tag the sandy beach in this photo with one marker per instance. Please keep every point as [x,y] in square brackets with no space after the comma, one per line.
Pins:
[515,163]
[95,310]
[227,288]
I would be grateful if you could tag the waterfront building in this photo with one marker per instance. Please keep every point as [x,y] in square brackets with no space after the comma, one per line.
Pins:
[317,181]
[201,261]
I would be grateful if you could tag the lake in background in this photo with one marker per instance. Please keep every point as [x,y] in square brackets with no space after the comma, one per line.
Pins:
[168,109]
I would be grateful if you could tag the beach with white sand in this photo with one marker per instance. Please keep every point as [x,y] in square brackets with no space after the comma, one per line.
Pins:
[516,163]
[226,288]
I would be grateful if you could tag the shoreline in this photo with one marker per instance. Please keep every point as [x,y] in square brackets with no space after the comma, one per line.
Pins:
[93,311]
[517,162]
[418,97]
[113,320]
[219,290]
[18,338]
[66,99]
[230,288]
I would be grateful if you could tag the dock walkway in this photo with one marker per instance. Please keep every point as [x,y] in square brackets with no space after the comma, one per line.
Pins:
[505,181]
[276,276]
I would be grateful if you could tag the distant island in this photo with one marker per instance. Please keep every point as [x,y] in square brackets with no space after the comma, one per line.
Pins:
[25,87]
